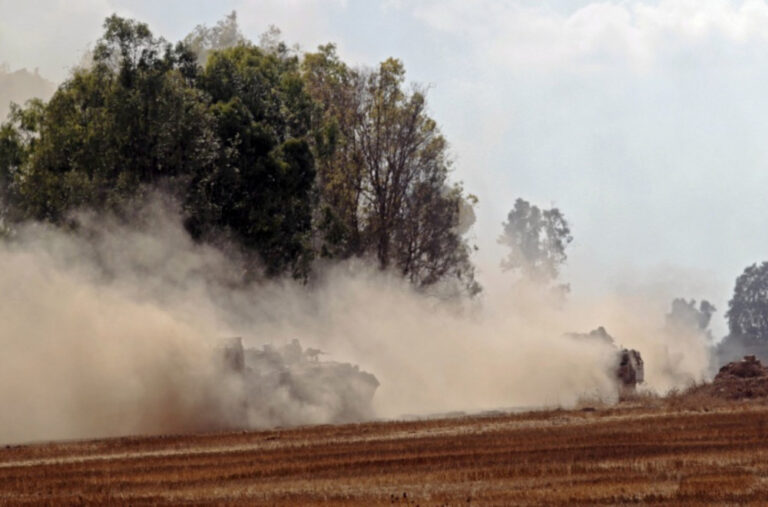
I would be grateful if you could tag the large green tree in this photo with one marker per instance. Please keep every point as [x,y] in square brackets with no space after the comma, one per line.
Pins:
[286,157]
[383,173]
[259,191]
[132,118]
[340,164]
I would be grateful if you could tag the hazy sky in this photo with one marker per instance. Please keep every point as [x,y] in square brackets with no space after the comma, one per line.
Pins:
[645,122]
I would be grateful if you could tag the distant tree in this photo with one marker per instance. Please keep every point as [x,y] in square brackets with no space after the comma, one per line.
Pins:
[686,317]
[537,240]
[748,308]
[272,42]
[203,40]
[20,86]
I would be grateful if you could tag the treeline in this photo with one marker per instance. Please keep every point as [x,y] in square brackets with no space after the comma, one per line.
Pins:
[291,157]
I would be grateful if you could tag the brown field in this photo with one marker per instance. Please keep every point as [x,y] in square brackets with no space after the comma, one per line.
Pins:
[650,452]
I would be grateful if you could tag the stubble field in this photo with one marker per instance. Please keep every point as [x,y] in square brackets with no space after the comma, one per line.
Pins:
[631,453]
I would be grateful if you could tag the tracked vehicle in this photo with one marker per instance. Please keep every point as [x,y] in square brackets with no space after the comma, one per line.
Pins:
[281,385]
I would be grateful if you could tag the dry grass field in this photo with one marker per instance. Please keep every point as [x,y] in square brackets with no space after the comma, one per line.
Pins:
[649,452]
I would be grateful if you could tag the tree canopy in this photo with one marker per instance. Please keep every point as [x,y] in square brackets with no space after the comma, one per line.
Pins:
[132,118]
[291,157]
[686,317]
[260,188]
[537,240]
[383,173]
[748,308]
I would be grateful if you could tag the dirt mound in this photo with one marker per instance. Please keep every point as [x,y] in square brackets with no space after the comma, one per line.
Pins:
[748,367]
[743,379]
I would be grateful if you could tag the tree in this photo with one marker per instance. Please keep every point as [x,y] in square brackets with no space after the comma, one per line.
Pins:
[228,141]
[203,40]
[537,240]
[259,191]
[17,140]
[686,317]
[748,308]
[133,118]
[282,157]
[340,176]
[12,155]
[383,173]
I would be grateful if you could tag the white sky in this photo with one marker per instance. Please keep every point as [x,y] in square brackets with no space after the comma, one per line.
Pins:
[645,122]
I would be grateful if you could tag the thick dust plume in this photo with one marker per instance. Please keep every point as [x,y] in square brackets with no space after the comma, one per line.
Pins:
[117,329]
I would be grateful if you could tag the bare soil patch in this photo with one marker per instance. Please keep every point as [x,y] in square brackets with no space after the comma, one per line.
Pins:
[739,380]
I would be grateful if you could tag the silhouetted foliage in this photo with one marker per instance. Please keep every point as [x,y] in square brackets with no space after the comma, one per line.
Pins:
[684,316]
[748,308]
[132,118]
[537,240]
[289,157]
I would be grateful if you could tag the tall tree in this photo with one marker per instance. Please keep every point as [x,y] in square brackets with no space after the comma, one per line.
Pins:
[383,174]
[537,240]
[260,188]
[134,117]
[18,139]
[238,142]
[336,90]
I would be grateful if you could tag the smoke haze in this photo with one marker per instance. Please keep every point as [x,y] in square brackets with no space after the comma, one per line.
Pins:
[114,329]
[19,86]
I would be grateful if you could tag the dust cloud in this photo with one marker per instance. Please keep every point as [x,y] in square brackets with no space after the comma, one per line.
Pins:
[117,329]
